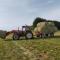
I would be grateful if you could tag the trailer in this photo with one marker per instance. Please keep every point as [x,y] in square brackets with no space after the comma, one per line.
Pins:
[45,29]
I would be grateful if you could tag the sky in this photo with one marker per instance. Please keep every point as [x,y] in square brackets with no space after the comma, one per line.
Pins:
[16,13]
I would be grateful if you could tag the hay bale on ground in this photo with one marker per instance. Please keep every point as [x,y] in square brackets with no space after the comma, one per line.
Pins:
[9,36]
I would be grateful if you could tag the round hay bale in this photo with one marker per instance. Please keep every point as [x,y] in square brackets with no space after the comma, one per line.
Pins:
[38,24]
[36,29]
[41,24]
[39,29]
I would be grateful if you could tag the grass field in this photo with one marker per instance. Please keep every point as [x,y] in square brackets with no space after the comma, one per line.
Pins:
[34,49]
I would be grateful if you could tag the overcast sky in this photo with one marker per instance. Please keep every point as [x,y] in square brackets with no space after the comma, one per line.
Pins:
[14,13]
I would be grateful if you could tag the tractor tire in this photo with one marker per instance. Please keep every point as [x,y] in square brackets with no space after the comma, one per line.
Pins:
[15,37]
[29,35]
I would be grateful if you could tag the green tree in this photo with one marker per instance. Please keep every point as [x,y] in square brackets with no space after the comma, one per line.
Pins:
[37,20]
[57,23]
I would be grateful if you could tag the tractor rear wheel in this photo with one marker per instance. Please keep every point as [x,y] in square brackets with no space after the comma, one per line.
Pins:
[29,35]
[15,37]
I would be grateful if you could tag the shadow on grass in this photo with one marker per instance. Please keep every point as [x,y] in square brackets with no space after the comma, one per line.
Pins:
[35,38]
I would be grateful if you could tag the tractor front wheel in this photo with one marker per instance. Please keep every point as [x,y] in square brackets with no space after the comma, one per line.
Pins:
[29,35]
[15,37]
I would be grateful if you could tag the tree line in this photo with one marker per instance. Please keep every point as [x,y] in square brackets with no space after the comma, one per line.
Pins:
[38,19]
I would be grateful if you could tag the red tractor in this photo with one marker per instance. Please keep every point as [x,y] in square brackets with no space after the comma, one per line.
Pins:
[25,32]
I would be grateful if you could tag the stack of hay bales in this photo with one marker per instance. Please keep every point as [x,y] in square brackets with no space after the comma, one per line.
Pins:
[40,26]
[45,27]
[50,28]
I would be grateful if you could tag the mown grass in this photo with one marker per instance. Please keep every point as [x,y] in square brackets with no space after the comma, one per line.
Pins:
[34,49]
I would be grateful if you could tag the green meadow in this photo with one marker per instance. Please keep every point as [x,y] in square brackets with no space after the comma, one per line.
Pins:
[34,49]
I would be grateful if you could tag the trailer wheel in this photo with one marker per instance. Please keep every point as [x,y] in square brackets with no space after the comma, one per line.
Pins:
[52,34]
[15,37]
[29,35]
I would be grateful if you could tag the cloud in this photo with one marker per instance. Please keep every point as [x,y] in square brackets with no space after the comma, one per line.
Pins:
[53,14]
[21,12]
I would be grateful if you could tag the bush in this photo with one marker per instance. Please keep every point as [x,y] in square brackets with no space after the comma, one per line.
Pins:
[2,34]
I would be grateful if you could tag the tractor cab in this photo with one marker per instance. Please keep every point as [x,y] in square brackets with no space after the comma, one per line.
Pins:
[26,28]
